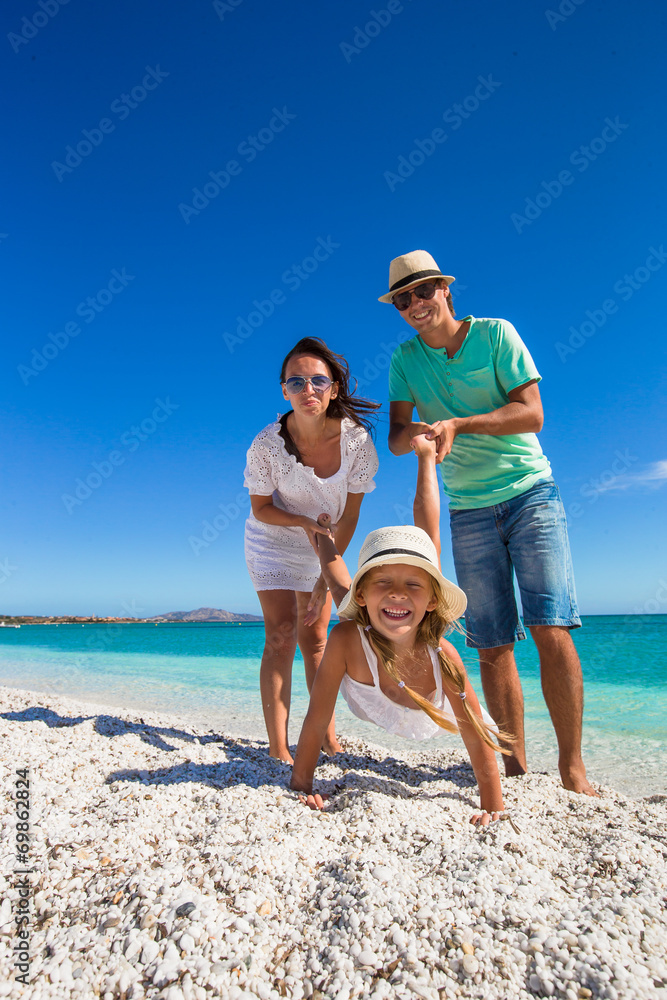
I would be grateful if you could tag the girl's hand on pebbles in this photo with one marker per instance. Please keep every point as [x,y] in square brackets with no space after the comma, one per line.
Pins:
[315,801]
[483,819]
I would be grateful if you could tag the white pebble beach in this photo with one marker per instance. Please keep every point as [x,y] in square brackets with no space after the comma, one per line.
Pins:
[175,863]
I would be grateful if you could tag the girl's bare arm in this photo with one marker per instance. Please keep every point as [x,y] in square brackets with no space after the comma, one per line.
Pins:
[482,757]
[332,564]
[426,508]
[322,701]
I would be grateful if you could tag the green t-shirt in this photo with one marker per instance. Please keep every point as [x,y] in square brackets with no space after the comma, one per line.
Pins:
[482,469]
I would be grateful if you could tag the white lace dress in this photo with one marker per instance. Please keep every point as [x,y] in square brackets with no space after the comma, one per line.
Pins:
[281,558]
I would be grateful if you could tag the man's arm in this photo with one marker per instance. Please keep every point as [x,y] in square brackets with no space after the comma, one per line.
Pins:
[522,415]
[402,428]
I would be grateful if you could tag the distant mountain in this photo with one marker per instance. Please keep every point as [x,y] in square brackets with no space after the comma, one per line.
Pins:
[205,615]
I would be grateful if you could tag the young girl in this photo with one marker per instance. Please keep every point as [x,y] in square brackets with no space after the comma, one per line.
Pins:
[388,657]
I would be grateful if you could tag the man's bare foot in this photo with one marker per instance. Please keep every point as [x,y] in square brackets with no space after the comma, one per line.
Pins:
[331,747]
[575,780]
[284,755]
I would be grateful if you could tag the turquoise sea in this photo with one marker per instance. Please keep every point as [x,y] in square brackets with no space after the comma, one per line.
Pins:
[209,674]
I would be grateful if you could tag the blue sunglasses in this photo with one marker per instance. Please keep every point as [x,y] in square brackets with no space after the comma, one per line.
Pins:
[297,383]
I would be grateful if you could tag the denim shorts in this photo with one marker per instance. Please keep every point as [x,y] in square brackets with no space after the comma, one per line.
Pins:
[527,536]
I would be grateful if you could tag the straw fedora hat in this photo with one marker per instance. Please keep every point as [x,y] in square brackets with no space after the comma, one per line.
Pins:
[407,546]
[412,269]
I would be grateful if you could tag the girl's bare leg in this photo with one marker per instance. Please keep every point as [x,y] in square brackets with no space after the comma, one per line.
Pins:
[312,640]
[275,678]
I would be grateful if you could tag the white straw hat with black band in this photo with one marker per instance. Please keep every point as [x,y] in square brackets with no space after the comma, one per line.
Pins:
[404,545]
[412,269]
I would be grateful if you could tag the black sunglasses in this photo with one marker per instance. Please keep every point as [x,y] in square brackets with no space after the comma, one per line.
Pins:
[403,299]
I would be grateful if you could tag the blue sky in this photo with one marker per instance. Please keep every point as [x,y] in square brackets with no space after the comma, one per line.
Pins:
[171,170]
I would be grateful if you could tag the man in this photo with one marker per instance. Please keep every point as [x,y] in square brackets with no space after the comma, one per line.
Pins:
[474,385]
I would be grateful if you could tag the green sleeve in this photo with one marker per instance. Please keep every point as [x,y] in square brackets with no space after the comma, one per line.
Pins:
[399,389]
[511,358]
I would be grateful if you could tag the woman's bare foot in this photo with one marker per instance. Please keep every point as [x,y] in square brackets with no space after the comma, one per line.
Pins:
[331,746]
[513,767]
[284,755]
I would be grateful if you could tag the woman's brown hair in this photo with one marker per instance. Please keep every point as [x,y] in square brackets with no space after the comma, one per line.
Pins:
[345,404]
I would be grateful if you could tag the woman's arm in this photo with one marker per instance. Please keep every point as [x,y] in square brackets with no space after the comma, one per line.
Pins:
[264,510]
[322,702]
[482,757]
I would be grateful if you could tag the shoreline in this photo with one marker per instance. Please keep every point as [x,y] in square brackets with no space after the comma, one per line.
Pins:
[640,773]
[171,861]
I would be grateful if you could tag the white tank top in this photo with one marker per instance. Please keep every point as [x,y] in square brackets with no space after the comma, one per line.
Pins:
[370,703]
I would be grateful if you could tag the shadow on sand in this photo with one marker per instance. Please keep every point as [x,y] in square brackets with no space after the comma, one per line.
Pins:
[248,764]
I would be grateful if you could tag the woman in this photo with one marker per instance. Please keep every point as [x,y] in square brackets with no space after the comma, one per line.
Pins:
[316,458]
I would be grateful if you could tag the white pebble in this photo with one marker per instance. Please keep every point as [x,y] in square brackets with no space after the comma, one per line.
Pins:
[470,964]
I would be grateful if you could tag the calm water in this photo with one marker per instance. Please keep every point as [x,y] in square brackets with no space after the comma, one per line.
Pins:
[209,673]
